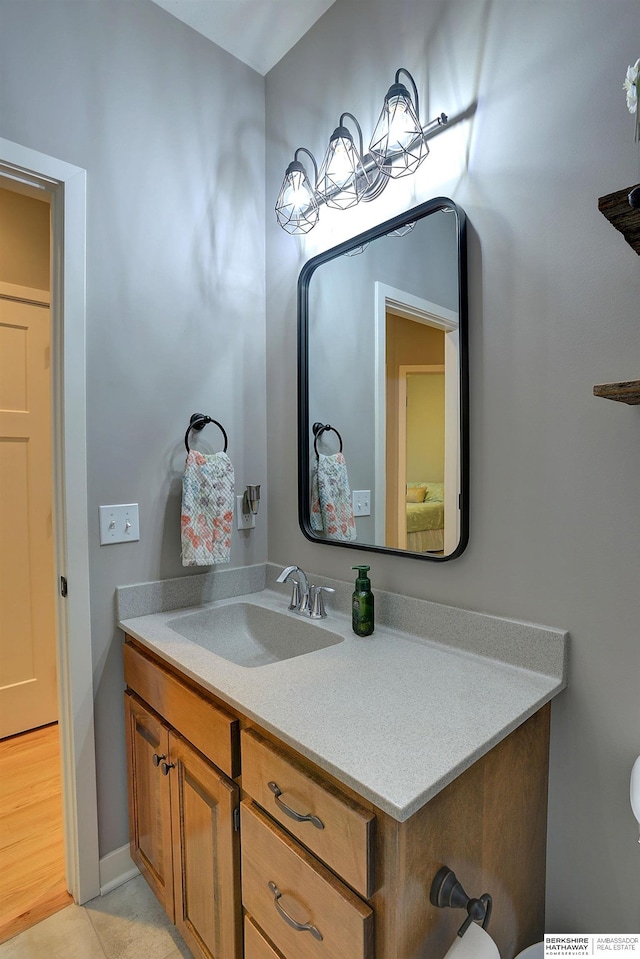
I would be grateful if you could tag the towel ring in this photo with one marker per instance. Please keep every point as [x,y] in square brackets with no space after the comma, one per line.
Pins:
[198,422]
[319,429]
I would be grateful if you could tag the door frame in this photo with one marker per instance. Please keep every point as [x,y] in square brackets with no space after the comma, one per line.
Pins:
[418,309]
[65,186]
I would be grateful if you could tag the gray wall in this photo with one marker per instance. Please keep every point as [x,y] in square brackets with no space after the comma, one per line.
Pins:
[175,285]
[175,280]
[554,295]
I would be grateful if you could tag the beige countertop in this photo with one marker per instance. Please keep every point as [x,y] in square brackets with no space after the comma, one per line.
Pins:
[396,716]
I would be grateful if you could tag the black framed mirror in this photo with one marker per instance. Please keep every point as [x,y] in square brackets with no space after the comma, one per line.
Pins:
[383,388]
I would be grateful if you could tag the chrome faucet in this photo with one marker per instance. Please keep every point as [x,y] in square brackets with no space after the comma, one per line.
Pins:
[300,592]
[316,601]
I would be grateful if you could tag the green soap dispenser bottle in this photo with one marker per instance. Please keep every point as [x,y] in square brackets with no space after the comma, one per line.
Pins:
[362,603]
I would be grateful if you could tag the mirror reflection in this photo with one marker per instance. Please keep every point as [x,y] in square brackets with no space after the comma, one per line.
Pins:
[383,388]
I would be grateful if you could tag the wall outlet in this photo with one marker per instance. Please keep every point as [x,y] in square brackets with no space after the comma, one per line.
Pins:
[361,499]
[242,520]
[119,524]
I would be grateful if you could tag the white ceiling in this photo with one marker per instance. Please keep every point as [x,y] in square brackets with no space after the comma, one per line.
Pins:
[258,32]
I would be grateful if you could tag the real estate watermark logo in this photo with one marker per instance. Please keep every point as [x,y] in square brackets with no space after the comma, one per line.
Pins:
[591,945]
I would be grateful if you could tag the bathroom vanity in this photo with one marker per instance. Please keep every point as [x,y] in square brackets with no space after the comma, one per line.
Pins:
[301,809]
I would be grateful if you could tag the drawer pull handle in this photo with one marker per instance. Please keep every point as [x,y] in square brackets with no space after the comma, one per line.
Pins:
[299,817]
[165,767]
[299,926]
[157,759]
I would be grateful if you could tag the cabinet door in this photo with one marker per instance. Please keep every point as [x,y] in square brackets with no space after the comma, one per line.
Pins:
[149,799]
[206,854]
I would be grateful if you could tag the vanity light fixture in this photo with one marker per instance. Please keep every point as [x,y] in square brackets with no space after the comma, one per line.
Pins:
[356,250]
[398,144]
[398,147]
[297,206]
[402,230]
[343,180]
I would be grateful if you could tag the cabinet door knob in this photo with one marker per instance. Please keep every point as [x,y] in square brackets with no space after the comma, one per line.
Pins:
[299,817]
[164,769]
[158,759]
[299,926]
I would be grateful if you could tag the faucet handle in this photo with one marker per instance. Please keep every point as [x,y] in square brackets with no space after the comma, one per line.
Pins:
[317,610]
[295,595]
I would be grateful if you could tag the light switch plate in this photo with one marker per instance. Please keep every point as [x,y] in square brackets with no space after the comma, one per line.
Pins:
[361,499]
[119,524]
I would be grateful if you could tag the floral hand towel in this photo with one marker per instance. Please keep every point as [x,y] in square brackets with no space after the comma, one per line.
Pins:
[207,509]
[331,506]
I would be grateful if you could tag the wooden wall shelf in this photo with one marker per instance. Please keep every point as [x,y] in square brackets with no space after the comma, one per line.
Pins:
[626,392]
[624,217]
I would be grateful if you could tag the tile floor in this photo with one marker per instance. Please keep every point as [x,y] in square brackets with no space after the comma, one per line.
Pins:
[128,923]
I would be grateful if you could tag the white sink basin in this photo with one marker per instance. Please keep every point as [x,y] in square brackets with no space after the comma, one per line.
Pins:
[251,635]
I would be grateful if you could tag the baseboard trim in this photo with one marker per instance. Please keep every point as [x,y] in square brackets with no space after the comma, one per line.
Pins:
[115,868]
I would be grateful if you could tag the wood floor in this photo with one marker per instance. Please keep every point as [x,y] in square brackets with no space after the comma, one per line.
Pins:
[32,883]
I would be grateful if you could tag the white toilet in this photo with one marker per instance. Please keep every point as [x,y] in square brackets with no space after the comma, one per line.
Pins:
[532,952]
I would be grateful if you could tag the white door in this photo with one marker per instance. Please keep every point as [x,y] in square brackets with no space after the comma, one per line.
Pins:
[65,186]
[28,682]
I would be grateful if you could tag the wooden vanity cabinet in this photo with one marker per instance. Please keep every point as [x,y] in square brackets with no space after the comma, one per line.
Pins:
[205,839]
[255,945]
[149,800]
[356,875]
[488,825]
[340,831]
[183,826]
[302,907]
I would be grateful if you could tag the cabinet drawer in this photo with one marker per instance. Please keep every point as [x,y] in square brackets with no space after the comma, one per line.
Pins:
[211,730]
[255,945]
[341,832]
[281,879]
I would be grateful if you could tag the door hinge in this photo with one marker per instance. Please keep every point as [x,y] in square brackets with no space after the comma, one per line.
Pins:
[236,819]
[63,586]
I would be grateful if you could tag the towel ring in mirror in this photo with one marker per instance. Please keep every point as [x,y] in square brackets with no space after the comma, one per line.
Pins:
[319,429]
[198,422]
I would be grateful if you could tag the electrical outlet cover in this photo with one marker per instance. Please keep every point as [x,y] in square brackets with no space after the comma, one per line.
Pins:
[242,520]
